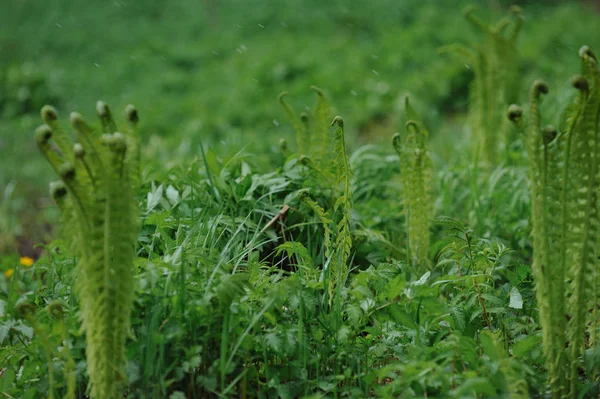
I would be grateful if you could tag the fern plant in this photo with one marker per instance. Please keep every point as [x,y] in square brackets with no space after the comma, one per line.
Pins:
[338,238]
[496,80]
[416,171]
[313,138]
[564,191]
[99,174]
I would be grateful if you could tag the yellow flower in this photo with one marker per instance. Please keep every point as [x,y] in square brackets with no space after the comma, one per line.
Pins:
[9,273]
[26,261]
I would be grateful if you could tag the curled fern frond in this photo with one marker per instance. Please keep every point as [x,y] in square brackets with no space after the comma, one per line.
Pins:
[416,173]
[496,82]
[514,113]
[302,139]
[343,241]
[108,123]
[95,195]
[61,138]
[564,189]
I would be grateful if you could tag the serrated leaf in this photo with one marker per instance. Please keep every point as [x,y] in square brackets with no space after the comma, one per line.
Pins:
[230,287]
[458,314]
[4,329]
[449,222]
[23,329]
[273,342]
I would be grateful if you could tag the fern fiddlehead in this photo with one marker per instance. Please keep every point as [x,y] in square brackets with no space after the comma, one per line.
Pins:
[496,80]
[98,175]
[343,241]
[314,138]
[564,190]
[338,241]
[416,183]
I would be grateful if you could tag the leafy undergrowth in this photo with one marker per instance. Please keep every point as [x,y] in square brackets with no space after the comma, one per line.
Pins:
[264,272]
[232,297]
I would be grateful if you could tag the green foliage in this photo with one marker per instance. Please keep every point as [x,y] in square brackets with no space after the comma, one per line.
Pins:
[564,191]
[99,175]
[495,64]
[24,90]
[416,185]
[288,272]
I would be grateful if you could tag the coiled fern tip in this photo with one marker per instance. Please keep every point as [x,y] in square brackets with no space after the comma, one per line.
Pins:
[580,83]
[49,113]
[540,87]
[515,112]
[43,134]
[57,189]
[132,113]
[338,121]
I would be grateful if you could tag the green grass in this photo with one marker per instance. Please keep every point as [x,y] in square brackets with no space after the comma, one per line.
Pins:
[232,293]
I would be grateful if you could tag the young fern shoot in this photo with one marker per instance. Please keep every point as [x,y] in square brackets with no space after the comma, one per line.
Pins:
[313,138]
[99,175]
[338,237]
[495,65]
[564,192]
[416,171]
[343,240]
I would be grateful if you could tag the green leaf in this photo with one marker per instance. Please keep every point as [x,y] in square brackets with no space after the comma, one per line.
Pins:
[4,329]
[473,386]
[490,345]
[524,346]
[23,329]
[273,342]
[401,317]
[154,197]
[395,287]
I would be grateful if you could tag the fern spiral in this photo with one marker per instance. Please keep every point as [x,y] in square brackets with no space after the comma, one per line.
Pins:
[495,83]
[99,174]
[416,185]
[564,191]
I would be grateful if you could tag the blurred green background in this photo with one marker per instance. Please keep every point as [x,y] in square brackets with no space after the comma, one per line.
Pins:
[210,71]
